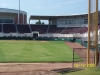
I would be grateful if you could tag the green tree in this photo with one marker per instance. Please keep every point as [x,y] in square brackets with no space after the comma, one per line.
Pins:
[43,23]
[39,22]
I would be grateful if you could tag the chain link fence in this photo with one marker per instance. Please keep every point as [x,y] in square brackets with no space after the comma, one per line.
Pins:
[80,58]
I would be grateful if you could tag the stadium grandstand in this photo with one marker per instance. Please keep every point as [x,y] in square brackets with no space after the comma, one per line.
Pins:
[66,26]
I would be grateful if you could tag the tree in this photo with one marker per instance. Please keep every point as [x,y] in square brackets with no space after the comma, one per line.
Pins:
[43,23]
[39,22]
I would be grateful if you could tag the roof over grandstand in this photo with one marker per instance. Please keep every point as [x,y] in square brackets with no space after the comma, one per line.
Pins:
[46,17]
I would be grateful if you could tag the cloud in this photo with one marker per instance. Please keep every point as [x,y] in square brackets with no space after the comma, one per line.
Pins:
[38,7]
[33,1]
[58,5]
[69,1]
[53,6]
[5,5]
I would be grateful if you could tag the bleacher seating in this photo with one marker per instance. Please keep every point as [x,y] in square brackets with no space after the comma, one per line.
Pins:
[23,28]
[0,28]
[68,30]
[71,30]
[40,28]
[52,28]
[9,28]
[59,30]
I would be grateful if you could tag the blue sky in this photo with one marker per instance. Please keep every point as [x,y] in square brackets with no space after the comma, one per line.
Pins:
[48,7]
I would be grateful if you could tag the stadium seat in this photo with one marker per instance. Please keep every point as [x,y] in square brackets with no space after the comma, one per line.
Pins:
[9,28]
[0,28]
[23,28]
[40,28]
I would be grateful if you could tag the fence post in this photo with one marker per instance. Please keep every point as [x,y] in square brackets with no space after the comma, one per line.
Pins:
[73,59]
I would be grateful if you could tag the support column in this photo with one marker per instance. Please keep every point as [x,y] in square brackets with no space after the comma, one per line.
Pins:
[88,49]
[97,33]
[18,17]
[49,21]
[39,19]
[23,18]
[93,29]
[29,21]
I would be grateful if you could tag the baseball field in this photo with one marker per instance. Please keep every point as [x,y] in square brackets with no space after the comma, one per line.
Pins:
[35,51]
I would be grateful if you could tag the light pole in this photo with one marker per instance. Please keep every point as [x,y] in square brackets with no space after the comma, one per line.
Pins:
[19,13]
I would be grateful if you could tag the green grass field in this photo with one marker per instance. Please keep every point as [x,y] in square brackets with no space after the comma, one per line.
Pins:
[35,51]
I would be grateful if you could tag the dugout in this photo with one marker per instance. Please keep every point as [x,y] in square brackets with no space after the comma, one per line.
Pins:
[35,34]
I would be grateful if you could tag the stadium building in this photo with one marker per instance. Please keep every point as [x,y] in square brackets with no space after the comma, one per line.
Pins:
[73,28]
[11,16]
[58,26]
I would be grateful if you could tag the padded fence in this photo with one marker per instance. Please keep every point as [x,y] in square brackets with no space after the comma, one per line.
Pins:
[53,39]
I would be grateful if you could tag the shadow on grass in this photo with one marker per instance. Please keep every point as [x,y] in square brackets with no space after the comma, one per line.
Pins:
[67,70]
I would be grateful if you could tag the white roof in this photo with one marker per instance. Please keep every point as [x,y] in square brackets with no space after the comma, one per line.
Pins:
[6,10]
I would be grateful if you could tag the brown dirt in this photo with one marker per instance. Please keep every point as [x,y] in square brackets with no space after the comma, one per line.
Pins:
[39,68]
[81,51]
[44,41]
[31,68]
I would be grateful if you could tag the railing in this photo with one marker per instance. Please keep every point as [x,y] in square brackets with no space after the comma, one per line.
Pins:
[58,35]
[16,34]
[76,35]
